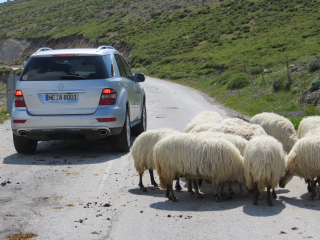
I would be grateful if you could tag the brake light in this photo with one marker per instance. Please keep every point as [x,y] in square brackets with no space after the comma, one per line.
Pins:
[19,121]
[64,55]
[107,119]
[108,97]
[18,99]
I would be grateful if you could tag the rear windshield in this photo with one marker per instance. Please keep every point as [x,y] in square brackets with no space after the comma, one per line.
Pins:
[67,68]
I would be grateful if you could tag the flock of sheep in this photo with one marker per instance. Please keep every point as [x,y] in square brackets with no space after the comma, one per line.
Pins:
[261,153]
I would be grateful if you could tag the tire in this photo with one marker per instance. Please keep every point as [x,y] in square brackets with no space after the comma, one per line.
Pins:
[122,141]
[24,145]
[142,126]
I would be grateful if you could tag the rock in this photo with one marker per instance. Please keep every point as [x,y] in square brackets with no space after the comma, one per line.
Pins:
[310,97]
[304,94]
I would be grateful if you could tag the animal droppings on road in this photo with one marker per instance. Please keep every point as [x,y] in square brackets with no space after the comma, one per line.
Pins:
[282,232]
[295,228]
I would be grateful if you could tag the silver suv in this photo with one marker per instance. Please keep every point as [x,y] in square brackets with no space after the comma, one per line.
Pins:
[63,94]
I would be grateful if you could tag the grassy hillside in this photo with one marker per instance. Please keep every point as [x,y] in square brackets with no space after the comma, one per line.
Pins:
[192,42]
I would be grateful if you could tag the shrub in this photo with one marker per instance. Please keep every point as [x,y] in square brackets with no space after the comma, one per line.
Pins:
[225,77]
[238,81]
[178,76]
[295,90]
[314,85]
[255,70]
[314,65]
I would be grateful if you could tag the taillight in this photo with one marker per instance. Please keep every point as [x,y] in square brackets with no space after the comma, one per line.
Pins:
[19,121]
[107,119]
[108,97]
[64,55]
[18,99]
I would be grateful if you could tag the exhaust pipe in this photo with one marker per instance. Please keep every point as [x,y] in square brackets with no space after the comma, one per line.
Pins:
[103,132]
[22,133]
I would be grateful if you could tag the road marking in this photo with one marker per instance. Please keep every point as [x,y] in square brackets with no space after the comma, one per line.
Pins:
[105,176]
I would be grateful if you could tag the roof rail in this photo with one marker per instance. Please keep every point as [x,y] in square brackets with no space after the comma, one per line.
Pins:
[43,49]
[104,47]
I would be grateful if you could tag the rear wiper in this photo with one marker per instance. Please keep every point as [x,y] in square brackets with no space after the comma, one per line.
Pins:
[72,77]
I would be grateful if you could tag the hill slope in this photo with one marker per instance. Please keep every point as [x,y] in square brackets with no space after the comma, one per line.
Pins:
[172,38]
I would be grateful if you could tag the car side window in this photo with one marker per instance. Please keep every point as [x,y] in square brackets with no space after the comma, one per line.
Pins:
[120,66]
[109,65]
[126,67]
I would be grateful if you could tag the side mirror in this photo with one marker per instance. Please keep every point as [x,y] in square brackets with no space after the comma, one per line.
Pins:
[139,77]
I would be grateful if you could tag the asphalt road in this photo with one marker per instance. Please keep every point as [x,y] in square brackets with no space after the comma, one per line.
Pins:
[81,190]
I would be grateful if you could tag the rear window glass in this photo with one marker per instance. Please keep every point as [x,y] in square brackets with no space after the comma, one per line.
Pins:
[68,68]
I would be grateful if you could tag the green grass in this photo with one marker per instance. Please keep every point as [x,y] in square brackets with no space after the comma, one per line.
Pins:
[3,115]
[192,45]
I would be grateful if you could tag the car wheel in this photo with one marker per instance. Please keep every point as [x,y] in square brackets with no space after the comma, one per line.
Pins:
[122,141]
[142,126]
[24,145]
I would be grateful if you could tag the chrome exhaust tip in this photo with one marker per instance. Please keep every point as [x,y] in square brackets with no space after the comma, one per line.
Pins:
[103,132]
[22,133]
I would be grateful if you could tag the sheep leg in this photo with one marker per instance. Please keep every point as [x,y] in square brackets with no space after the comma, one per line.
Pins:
[195,185]
[269,201]
[178,186]
[309,186]
[170,193]
[200,182]
[223,194]
[190,186]
[230,188]
[215,194]
[255,194]
[143,189]
[313,188]
[153,182]
[241,191]
[274,194]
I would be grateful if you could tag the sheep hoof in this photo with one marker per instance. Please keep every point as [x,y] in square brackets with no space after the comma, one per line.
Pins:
[155,185]
[251,191]
[217,198]
[173,199]
[178,188]
[199,196]
[311,198]
[243,195]
[270,203]
[274,196]
[231,192]
[255,201]
[224,196]
[191,192]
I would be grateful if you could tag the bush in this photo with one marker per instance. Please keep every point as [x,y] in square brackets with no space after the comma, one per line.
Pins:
[314,65]
[295,90]
[255,70]
[238,81]
[225,77]
[314,85]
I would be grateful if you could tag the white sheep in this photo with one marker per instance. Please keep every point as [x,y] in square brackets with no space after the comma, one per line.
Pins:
[243,132]
[247,125]
[304,161]
[203,117]
[237,141]
[264,165]
[195,157]
[308,125]
[278,127]
[142,150]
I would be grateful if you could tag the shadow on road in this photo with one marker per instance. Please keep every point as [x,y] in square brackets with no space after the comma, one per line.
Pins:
[303,202]
[66,152]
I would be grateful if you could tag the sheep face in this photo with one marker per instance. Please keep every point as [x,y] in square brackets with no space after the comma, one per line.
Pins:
[285,179]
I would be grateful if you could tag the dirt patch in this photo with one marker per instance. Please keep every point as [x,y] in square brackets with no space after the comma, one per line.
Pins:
[55,198]
[21,236]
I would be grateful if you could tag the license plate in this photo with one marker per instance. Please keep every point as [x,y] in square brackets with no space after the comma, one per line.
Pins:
[61,97]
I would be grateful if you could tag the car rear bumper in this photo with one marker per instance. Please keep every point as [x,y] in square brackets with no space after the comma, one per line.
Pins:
[68,126]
